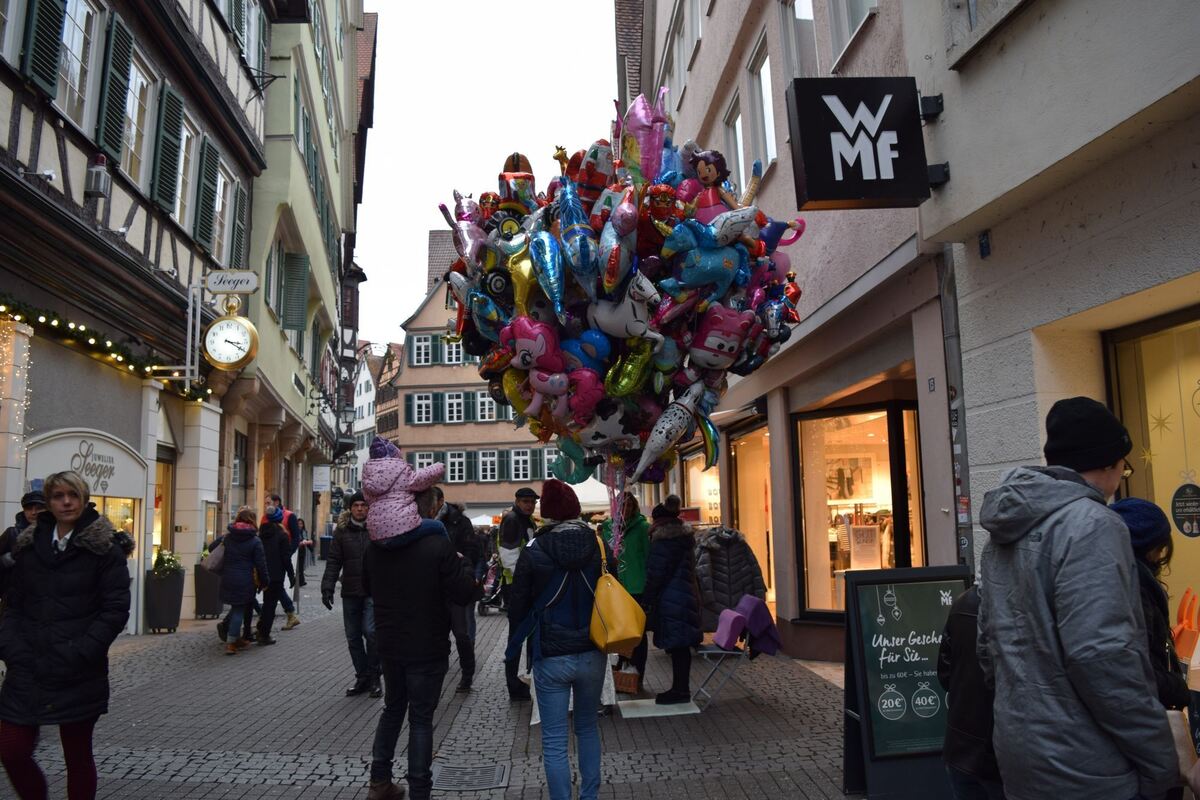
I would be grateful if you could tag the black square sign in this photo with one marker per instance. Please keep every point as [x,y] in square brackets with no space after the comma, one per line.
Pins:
[857,143]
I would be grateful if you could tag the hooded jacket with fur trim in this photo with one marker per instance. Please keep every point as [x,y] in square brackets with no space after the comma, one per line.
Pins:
[64,609]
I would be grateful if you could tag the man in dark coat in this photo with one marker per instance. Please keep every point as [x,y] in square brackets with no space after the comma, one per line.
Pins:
[345,557]
[726,570]
[412,578]
[516,531]
[279,564]
[291,526]
[32,504]
[68,600]
[672,605]
[968,752]
[462,618]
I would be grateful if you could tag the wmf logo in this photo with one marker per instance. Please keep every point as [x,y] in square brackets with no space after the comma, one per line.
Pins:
[873,149]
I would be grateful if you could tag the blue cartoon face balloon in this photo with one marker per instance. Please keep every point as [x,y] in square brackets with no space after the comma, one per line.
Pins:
[591,351]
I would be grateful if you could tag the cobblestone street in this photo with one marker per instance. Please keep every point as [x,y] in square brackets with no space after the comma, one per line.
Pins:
[188,721]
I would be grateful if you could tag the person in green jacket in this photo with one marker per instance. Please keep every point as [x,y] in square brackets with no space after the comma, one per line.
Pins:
[631,564]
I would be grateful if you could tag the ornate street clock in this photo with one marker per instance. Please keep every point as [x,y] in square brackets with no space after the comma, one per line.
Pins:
[231,341]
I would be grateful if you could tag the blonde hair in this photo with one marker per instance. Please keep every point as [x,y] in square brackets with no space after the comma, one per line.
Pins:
[246,514]
[70,479]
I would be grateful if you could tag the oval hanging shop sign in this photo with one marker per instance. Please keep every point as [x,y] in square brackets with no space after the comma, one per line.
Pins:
[108,465]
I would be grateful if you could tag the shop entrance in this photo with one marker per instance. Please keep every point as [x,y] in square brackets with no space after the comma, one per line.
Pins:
[1154,379]
[750,460]
[861,499]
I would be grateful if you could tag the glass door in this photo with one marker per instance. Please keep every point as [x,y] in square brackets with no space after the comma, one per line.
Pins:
[750,459]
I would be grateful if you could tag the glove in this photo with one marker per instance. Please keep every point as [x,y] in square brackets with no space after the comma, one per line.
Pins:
[327,600]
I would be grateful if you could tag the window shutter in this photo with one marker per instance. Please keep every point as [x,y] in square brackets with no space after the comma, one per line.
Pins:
[472,466]
[412,459]
[469,406]
[166,150]
[503,466]
[439,457]
[408,409]
[295,292]
[410,350]
[439,407]
[43,43]
[237,258]
[239,20]
[206,194]
[537,458]
[436,349]
[298,131]
[263,55]
[114,88]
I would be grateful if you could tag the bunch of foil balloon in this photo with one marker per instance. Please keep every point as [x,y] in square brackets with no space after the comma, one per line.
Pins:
[610,309]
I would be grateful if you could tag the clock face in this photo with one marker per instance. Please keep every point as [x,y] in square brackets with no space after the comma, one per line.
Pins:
[228,341]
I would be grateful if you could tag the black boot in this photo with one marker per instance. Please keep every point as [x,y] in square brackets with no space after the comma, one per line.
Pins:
[376,688]
[517,690]
[360,686]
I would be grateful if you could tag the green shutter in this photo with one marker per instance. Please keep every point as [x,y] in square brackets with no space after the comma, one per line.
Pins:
[114,89]
[296,105]
[410,351]
[295,292]
[43,43]
[239,20]
[408,409]
[439,407]
[269,276]
[435,348]
[472,466]
[206,194]
[469,412]
[503,468]
[439,457]
[237,258]
[167,153]
[537,459]
[278,279]
[412,459]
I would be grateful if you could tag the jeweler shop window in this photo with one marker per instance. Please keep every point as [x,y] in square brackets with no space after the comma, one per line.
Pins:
[856,470]
[702,489]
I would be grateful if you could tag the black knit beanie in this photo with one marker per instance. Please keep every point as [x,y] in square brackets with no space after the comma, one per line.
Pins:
[1083,434]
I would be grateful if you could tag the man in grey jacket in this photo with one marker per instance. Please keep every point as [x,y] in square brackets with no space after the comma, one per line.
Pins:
[1060,625]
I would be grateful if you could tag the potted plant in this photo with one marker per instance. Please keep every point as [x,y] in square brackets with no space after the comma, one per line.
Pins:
[164,593]
[208,590]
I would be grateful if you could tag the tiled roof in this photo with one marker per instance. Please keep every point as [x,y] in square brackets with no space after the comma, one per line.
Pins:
[629,42]
[366,53]
[441,255]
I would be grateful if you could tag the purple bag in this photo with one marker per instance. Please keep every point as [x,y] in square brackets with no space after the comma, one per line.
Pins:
[730,626]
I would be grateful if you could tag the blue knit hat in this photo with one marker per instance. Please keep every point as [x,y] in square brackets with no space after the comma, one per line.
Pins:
[1148,525]
[275,514]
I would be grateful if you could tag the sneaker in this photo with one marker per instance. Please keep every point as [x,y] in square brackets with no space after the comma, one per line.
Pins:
[385,790]
[222,630]
[293,620]
[376,689]
[673,697]
[265,639]
[358,688]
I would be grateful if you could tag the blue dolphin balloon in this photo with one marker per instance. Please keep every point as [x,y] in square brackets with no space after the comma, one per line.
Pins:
[489,317]
[578,238]
[547,263]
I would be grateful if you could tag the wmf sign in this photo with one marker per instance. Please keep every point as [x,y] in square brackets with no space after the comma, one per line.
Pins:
[857,143]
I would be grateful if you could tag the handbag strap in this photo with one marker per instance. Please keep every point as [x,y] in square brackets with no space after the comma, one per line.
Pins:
[603,558]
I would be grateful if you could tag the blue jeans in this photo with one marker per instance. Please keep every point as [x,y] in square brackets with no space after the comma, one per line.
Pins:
[555,678]
[285,600]
[966,786]
[358,618]
[413,688]
[236,616]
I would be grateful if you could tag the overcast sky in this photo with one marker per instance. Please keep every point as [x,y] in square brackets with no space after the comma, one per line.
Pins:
[449,108]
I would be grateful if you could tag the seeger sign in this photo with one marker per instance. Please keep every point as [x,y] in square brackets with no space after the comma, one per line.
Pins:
[857,143]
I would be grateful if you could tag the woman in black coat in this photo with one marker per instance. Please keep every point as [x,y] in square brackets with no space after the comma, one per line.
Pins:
[277,552]
[67,601]
[670,599]
[243,554]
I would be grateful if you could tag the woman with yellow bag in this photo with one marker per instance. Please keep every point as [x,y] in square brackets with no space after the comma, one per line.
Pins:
[551,602]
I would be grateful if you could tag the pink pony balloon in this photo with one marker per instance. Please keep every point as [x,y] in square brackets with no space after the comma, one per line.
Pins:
[587,389]
[536,350]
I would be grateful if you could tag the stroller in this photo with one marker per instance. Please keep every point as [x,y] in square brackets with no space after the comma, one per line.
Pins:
[492,584]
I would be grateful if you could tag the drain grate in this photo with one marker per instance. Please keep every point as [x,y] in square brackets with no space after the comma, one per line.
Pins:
[470,779]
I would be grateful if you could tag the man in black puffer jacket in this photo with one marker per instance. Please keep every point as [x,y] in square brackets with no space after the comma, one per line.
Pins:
[726,570]
[345,557]
[462,618]
[277,552]
[32,504]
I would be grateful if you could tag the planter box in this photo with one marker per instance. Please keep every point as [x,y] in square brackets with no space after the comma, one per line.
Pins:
[164,599]
[208,593]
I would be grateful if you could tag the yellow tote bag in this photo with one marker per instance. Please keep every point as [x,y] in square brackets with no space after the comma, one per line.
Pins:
[618,622]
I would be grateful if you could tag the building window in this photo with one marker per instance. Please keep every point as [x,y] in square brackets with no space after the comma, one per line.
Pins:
[5,16]
[844,18]
[551,455]
[861,498]
[764,112]
[454,407]
[456,466]
[452,353]
[76,59]
[423,409]
[485,407]
[240,444]
[733,144]
[137,118]
[189,140]
[422,351]
[799,38]
[221,214]
[702,488]
[520,465]
[423,459]
[488,465]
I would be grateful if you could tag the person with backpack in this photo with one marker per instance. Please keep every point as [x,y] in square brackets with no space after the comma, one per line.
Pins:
[551,604]
[670,598]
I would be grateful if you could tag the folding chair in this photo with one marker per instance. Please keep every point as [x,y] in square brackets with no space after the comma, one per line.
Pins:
[724,657]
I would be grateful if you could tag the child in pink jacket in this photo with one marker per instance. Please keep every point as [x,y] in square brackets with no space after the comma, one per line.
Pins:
[390,485]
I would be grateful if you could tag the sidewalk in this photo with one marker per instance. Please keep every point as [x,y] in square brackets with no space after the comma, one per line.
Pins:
[188,721]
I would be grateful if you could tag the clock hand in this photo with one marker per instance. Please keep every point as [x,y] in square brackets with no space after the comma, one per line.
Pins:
[235,344]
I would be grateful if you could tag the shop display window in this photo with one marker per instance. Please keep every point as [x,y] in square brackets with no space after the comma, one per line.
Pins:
[164,490]
[750,461]
[1155,385]
[122,513]
[861,505]
[702,489]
